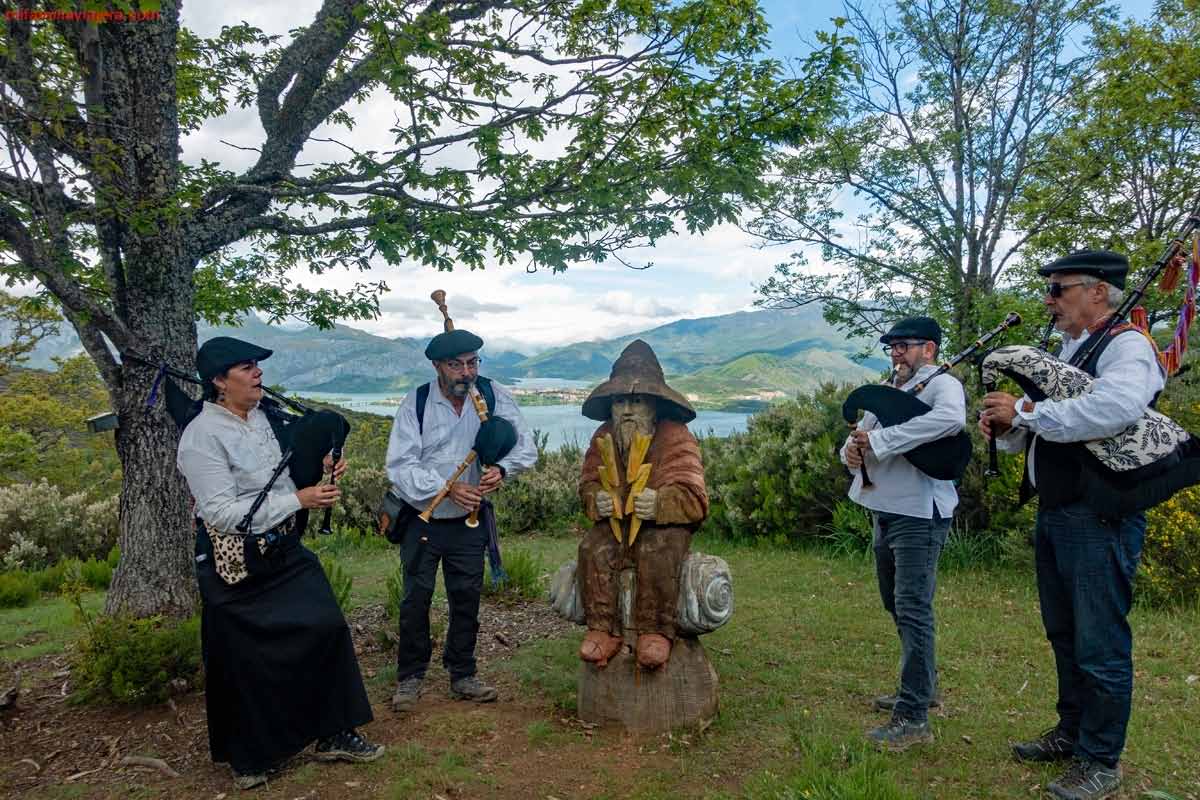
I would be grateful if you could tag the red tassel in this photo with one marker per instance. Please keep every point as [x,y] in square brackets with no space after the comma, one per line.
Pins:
[1170,276]
[1139,319]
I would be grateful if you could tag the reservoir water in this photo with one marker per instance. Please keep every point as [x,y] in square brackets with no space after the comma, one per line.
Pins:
[564,424]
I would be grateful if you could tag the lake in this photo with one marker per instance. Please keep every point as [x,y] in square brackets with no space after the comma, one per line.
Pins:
[564,423]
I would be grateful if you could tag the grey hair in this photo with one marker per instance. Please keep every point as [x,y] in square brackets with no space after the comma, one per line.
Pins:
[1115,295]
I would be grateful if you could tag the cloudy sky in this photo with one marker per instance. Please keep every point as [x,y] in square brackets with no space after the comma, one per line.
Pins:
[692,276]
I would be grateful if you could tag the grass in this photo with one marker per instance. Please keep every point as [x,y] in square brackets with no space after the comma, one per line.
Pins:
[808,646]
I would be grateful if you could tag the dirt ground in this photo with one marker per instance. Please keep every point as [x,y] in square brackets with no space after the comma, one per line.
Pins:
[520,747]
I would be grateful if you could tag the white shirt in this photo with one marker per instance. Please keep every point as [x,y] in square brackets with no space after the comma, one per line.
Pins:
[418,465]
[226,461]
[899,487]
[1128,377]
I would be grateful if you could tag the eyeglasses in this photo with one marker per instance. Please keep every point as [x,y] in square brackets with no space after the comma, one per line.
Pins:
[1056,290]
[901,347]
[458,366]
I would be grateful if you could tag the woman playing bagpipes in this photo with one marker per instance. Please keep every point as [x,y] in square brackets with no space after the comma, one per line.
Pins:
[280,667]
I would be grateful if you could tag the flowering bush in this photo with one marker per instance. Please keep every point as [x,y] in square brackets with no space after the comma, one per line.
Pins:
[40,525]
[1170,569]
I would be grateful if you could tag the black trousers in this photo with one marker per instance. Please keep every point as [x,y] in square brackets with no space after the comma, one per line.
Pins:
[460,550]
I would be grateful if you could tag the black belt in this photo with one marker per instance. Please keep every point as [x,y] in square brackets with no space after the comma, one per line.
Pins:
[447,520]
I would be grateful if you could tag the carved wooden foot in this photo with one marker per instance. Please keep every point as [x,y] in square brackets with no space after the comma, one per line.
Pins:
[598,647]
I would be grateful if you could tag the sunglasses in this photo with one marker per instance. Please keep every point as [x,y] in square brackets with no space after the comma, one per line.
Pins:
[1056,289]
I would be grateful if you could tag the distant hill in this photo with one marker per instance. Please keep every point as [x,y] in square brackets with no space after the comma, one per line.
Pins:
[750,355]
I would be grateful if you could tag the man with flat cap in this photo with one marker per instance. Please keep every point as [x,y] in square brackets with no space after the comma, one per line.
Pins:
[1085,562]
[912,514]
[434,429]
[645,523]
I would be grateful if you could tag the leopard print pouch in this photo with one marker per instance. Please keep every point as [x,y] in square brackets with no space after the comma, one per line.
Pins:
[229,555]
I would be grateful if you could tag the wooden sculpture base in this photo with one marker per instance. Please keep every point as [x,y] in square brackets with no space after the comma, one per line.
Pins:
[680,694]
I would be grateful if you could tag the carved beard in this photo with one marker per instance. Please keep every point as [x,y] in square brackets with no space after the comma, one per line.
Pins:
[629,425]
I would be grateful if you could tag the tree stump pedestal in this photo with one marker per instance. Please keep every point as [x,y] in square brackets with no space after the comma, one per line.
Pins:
[681,693]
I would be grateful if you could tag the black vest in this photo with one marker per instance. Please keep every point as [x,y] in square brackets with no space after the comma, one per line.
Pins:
[1059,466]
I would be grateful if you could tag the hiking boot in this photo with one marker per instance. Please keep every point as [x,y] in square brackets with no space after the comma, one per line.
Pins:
[348,745]
[1052,745]
[473,689]
[249,781]
[1086,780]
[900,734]
[888,701]
[407,693]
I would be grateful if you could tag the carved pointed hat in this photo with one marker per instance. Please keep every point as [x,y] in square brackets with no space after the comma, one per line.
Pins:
[637,371]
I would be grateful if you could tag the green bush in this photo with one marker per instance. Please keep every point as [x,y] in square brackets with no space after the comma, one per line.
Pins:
[17,589]
[339,580]
[545,498]
[526,572]
[851,532]
[136,661]
[362,489]
[96,574]
[63,525]
[395,593]
[51,579]
[782,477]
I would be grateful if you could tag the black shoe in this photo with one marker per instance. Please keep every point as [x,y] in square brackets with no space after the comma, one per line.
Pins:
[473,689]
[1052,745]
[887,702]
[1086,780]
[408,691]
[347,746]
[901,734]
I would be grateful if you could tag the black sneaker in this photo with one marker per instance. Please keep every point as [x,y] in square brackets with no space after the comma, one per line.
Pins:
[1052,745]
[347,746]
[1086,780]
[887,702]
[408,691]
[901,734]
[473,689]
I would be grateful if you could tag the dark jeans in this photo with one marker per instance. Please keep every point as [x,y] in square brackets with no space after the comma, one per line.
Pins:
[906,556]
[1085,569]
[460,550]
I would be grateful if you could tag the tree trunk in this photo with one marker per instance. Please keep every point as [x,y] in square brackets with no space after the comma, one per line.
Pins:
[154,299]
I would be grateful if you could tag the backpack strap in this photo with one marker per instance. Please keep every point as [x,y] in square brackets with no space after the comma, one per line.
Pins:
[422,398]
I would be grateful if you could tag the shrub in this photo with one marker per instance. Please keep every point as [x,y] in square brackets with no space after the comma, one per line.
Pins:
[51,579]
[96,574]
[851,531]
[23,554]
[395,593]
[1170,571]
[545,498]
[525,574]
[17,589]
[136,661]
[782,476]
[339,580]
[362,489]
[63,525]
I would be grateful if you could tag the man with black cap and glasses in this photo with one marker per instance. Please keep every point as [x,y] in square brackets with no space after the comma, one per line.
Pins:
[1085,562]
[434,429]
[912,514]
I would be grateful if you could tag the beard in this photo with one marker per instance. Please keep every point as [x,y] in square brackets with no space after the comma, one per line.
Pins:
[456,387]
[628,426]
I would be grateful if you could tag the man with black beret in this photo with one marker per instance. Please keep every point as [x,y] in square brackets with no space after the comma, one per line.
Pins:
[434,429]
[912,514]
[1085,562]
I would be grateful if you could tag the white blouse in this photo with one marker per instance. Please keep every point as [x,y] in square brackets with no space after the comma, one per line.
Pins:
[226,461]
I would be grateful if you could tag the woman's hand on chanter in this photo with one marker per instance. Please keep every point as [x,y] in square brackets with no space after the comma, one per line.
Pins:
[339,470]
[320,496]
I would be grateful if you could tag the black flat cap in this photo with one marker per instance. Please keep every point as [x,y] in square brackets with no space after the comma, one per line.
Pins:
[915,328]
[222,352]
[1106,265]
[452,343]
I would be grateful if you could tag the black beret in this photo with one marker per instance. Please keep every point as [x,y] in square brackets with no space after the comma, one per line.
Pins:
[1106,265]
[222,352]
[451,344]
[915,328]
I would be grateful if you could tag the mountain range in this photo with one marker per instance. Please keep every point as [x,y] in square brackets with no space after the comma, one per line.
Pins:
[745,356]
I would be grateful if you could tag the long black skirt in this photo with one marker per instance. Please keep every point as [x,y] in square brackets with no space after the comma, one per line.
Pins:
[280,669]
